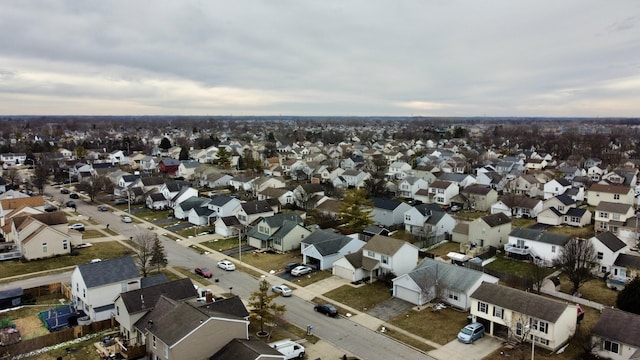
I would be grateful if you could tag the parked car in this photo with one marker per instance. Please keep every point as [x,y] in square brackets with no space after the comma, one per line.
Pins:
[326,309]
[50,208]
[64,191]
[74,196]
[282,290]
[71,204]
[291,266]
[204,272]
[77,226]
[120,201]
[226,265]
[126,219]
[471,333]
[103,208]
[455,208]
[301,270]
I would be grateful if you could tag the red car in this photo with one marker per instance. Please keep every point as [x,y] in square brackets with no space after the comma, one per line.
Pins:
[204,272]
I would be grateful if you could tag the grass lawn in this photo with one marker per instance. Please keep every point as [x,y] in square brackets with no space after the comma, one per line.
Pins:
[101,250]
[583,232]
[522,223]
[92,234]
[268,262]
[445,248]
[448,323]
[594,290]
[409,341]
[153,215]
[170,236]
[519,268]
[361,298]
[311,278]
[221,244]
[469,215]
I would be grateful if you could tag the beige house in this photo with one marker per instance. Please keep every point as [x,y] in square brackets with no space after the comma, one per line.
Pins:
[509,313]
[491,230]
[477,197]
[44,235]
[610,216]
[611,193]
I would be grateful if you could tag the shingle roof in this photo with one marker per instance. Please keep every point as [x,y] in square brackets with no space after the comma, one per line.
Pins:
[608,188]
[477,189]
[618,325]
[384,244]
[627,260]
[385,203]
[540,307]
[497,219]
[450,276]
[540,236]
[221,200]
[327,242]
[617,208]
[241,349]
[611,241]
[256,207]
[52,218]
[520,201]
[428,209]
[146,298]
[565,200]
[108,271]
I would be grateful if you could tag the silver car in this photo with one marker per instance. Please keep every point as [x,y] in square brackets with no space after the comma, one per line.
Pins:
[282,290]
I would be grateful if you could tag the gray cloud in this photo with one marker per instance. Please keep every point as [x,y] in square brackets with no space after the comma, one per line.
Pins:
[365,57]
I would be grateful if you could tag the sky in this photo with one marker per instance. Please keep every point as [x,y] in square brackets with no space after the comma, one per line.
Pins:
[332,57]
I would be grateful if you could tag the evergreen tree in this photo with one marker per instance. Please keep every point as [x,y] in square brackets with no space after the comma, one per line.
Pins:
[165,144]
[356,210]
[629,297]
[184,153]
[264,310]
[224,158]
[158,255]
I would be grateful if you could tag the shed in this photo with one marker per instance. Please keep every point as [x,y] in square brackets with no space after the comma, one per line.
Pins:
[10,298]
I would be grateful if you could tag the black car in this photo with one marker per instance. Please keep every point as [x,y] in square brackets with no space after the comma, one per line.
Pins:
[50,208]
[71,204]
[64,191]
[326,309]
[291,266]
[103,208]
[74,196]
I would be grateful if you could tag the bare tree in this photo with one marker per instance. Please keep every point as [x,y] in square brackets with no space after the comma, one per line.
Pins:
[264,309]
[144,243]
[576,259]
[537,275]
[12,175]
[95,185]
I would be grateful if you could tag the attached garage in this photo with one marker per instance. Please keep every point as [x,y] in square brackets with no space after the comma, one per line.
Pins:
[343,272]
[407,294]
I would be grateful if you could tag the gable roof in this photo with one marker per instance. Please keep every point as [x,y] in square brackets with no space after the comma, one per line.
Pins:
[451,276]
[256,207]
[477,189]
[385,203]
[384,244]
[613,207]
[523,302]
[108,271]
[628,261]
[610,188]
[52,218]
[14,203]
[222,200]
[496,219]
[146,298]
[609,326]
[327,242]
[520,201]
[540,236]
[428,209]
[611,241]
[241,349]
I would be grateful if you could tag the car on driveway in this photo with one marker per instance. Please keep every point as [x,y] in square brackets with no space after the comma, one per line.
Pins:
[290,266]
[74,196]
[301,270]
[77,226]
[204,272]
[471,333]
[326,309]
[226,265]
[282,290]
[126,219]
[103,208]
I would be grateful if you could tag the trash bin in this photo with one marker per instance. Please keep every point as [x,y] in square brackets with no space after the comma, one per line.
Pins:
[469,319]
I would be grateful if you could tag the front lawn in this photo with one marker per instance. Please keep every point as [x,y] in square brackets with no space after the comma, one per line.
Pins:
[361,298]
[152,215]
[221,244]
[441,326]
[268,262]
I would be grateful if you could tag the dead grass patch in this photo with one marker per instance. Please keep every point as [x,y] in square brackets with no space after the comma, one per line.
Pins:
[268,262]
[361,298]
[445,248]
[594,290]
[448,323]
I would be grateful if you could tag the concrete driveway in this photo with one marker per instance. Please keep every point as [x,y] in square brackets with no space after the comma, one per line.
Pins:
[479,349]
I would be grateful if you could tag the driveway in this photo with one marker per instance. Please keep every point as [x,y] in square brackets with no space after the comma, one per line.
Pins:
[390,309]
[479,349]
[179,226]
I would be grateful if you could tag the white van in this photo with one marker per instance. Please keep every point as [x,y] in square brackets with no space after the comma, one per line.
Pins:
[290,349]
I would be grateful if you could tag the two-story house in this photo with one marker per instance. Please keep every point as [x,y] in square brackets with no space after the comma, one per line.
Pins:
[45,235]
[252,210]
[615,335]
[322,248]
[539,246]
[280,232]
[510,313]
[621,194]
[556,187]
[410,185]
[518,206]
[490,230]
[224,205]
[477,197]
[610,216]
[388,212]
[351,179]
[428,220]
[95,285]
[441,192]
[607,246]
[527,185]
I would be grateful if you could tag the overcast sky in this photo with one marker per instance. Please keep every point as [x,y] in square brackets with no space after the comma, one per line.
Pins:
[301,57]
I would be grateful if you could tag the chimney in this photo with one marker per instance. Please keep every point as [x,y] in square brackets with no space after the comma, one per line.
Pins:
[208,297]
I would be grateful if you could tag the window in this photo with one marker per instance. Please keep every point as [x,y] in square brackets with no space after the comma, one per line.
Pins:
[520,244]
[603,225]
[263,229]
[616,217]
[407,217]
[611,346]
[65,245]
[498,312]
[560,208]
[604,215]
[553,248]
[277,241]
[117,310]
[616,196]
[84,293]
[519,329]
[600,255]
[541,326]
[44,248]
[575,219]
[453,296]
[153,341]
[385,259]
[483,307]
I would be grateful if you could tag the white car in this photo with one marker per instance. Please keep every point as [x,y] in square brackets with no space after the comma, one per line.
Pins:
[126,219]
[301,270]
[77,226]
[282,290]
[226,265]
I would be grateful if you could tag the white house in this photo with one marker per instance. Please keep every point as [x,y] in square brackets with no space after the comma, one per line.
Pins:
[428,220]
[388,212]
[556,187]
[615,335]
[95,285]
[224,205]
[323,248]
[537,245]
[443,191]
[608,246]
[410,185]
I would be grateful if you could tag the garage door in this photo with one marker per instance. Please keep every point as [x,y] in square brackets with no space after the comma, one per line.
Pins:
[343,272]
[407,295]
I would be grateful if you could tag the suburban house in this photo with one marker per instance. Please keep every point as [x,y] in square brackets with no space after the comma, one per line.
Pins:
[250,211]
[183,208]
[491,230]
[215,180]
[435,279]
[610,216]
[556,187]
[224,205]
[527,185]
[187,168]
[562,210]
[379,256]
[351,179]
[410,185]
[539,246]
[95,285]
[134,304]
[476,197]
[428,220]
[322,248]
[624,269]
[621,194]
[280,232]
[251,349]
[608,246]
[44,235]
[510,313]
[168,166]
[183,330]
[284,196]
[388,212]
[615,335]
[441,192]
[13,206]
[228,226]
[518,206]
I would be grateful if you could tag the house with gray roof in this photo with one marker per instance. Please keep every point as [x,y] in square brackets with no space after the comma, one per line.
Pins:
[280,232]
[250,211]
[490,230]
[95,285]
[518,206]
[440,281]
[224,205]
[252,349]
[388,212]
[181,210]
[134,304]
[428,220]
[536,245]
[615,335]
[608,246]
[611,216]
[510,313]
[625,268]
[322,248]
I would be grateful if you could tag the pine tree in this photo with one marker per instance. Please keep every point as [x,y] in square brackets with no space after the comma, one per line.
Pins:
[158,255]
[629,297]
[356,210]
